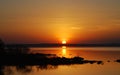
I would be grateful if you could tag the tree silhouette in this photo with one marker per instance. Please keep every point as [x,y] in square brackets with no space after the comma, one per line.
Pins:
[1,46]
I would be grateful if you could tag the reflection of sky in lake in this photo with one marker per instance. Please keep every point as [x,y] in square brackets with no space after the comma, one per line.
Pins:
[94,53]
[105,54]
[109,68]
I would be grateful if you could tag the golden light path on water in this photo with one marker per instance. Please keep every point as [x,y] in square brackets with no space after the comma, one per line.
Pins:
[90,53]
[64,51]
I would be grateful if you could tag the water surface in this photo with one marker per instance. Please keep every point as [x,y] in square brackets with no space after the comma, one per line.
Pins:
[107,54]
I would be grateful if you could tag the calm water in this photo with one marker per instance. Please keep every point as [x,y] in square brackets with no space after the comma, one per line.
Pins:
[94,53]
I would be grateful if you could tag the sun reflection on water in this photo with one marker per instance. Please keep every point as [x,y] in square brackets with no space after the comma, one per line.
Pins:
[64,51]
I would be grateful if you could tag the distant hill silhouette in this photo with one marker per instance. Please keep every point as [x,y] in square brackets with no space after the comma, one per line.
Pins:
[68,45]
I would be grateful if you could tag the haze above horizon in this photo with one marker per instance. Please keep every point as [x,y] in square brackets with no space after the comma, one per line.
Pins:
[52,21]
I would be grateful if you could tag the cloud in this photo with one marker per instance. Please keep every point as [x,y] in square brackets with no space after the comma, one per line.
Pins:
[76,28]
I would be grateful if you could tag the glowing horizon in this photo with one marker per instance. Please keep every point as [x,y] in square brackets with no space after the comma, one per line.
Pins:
[50,21]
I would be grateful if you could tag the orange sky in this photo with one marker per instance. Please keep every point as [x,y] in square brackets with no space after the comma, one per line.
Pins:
[77,21]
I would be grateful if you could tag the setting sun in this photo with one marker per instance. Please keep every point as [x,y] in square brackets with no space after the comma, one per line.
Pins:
[64,42]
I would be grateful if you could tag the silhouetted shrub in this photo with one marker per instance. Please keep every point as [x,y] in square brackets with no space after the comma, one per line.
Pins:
[2,46]
[118,60]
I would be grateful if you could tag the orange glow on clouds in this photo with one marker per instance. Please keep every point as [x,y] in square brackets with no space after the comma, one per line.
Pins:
[47,21]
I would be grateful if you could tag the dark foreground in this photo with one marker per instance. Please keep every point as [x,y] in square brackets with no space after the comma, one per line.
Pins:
[42,59]
[25,62]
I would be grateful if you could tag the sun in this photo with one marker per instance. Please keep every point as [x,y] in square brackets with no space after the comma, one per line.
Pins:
[64,42]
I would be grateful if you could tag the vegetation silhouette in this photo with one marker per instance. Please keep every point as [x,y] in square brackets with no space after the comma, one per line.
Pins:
[2,46]
[42,59]
[15,55]
[118,60]
[1,70]
[24,69]
[19,56]
[24,62]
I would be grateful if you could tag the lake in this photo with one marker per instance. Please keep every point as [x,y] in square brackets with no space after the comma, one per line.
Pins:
[106,54]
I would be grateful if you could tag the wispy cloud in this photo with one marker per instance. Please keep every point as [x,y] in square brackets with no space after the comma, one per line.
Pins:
[76,28]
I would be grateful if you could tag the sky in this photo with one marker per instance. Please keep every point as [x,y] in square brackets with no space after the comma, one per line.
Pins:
[51,21]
